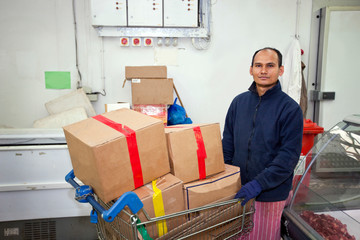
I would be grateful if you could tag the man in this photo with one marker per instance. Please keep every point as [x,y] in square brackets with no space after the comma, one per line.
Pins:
[263,136]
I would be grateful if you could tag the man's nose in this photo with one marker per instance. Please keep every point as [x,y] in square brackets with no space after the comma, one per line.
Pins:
[263,70]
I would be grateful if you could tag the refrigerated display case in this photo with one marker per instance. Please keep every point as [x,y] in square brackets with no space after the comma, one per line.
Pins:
[326,199]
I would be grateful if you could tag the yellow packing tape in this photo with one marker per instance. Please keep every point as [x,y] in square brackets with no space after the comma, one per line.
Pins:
[159,209]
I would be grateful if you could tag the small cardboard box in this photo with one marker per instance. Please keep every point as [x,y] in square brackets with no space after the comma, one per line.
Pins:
[173,201]
[100,154]
[152,91]
[220,187]
[145,72]
[115,106]
[183,150]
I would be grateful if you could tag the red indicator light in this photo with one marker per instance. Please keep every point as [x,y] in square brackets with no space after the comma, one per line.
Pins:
[148,41]
[124,41]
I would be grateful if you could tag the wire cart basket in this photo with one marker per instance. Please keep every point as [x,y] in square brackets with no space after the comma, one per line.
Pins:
[125,218]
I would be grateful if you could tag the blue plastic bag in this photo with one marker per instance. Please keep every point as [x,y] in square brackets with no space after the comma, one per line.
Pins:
[177,115]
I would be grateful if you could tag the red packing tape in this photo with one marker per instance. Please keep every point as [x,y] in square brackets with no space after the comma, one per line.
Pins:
[132,147]
[201,152]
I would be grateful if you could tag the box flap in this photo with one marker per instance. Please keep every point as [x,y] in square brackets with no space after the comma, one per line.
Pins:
[182,127]
[145,72]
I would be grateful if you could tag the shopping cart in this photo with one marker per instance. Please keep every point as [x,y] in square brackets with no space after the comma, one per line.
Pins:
[125,218]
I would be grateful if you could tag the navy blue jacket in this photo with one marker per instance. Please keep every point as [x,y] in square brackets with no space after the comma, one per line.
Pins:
[263,136]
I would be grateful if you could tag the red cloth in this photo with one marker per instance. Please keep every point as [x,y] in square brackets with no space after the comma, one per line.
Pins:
[267,221]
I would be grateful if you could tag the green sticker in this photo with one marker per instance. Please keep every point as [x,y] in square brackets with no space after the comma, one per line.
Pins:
[57,80]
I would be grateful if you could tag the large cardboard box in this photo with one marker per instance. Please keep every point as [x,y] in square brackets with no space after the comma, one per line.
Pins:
[152,91]
[219,187]
[118,156]
[145,72]
[187,149]
[173,201]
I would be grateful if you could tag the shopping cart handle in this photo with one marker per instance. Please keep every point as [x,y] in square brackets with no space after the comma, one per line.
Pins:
[84,194]
[70,179]
[129,199]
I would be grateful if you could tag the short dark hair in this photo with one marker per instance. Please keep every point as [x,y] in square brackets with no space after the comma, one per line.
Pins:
[269,48]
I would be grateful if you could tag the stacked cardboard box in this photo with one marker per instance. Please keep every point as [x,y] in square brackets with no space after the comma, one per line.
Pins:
[150,88]
[195,150]
[219,187]
[124,150]
[171,201]
[117,152]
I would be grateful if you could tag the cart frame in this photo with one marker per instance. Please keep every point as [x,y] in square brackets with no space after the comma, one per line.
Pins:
[120,219]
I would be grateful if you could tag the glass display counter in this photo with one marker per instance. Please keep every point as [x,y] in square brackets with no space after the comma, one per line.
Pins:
[326,199]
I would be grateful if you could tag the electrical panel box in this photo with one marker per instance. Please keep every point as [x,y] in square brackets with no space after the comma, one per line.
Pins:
[108,13]
[181,13]
[145,13]
[151,18]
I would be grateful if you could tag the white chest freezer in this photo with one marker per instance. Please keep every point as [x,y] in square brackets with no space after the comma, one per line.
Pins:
[32,185]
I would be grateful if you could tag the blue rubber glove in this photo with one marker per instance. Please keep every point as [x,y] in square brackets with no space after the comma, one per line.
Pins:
[249,191]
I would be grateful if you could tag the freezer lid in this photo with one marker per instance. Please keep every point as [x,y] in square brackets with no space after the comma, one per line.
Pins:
[31,136]
[352,119]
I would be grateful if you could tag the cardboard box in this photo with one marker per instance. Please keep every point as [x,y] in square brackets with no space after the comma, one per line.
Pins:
[216,222]
[100,154]
[219,187]
[158,111]
[145,72]
[115,106]
[173,201]
[183,150]
[152,91]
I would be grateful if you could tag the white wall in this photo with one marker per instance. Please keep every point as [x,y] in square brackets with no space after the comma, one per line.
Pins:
[38,36]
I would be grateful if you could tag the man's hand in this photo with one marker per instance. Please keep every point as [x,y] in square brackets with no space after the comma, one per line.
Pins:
[249,191]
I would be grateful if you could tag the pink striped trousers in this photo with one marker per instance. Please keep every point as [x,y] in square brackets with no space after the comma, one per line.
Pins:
[267,220]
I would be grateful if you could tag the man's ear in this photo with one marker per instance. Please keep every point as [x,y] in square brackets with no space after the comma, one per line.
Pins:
[250,70]
[281,71]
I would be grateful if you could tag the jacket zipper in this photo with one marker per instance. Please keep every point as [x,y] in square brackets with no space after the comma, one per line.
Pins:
[251,136]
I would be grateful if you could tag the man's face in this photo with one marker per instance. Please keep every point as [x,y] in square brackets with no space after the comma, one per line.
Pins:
[265,69]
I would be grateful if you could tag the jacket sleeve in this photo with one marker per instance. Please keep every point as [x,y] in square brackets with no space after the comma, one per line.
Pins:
[284,163]
[228,137]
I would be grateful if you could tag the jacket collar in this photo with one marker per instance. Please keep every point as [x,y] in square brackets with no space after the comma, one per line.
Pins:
[272,90]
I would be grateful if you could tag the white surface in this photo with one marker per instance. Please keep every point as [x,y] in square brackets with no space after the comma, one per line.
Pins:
[62,119]
[25,136]
[37,204]
[343,51]
[108,12]
[115,106]
[44,32]
[291,79]
[32,182]
[69,101]
[147,13]
[179,13]
[33,166]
